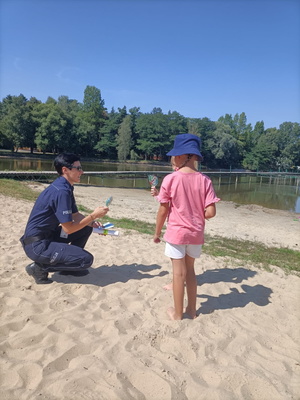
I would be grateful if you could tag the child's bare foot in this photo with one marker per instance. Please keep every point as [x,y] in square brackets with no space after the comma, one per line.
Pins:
[172,315]
[169,286]
[191,313]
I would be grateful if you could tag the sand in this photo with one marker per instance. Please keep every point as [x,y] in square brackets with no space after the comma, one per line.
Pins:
[107,335]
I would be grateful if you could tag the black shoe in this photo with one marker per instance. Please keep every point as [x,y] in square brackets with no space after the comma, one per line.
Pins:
[39,274]
[83,272]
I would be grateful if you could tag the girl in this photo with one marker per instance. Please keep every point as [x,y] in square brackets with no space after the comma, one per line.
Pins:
[186,199]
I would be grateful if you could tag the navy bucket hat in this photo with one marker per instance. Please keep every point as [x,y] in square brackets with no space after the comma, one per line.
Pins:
[186,143]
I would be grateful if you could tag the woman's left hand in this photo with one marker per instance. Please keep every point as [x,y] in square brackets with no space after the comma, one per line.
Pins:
[96,224]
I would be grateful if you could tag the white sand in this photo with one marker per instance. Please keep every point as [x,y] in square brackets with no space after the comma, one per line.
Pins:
[107,335]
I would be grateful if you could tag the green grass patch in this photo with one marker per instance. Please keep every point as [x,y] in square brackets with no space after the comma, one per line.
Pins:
[253,252]
[124,223]
[245,251]
[17,189]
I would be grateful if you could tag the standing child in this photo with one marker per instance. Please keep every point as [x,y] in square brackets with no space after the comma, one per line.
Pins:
[186,199]
[155,193]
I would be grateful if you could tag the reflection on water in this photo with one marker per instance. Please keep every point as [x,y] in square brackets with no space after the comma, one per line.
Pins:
[281,193]
[10,164]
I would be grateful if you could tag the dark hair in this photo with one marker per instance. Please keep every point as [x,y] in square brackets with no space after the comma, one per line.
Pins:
[65,160]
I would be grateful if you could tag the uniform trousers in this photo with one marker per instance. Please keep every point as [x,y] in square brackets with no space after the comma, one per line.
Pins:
[62,254]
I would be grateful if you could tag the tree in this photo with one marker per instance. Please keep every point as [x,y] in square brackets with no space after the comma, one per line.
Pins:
[31,123]
[205,128]
[13,122]
[289,144]
[177,124]
[135,114]
[264,152]
[153,134]
[107,145]
[53,132]
[124,139]
[223,146]
[93,116]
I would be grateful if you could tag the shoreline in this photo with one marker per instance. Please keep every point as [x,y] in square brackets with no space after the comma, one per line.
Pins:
[247,222]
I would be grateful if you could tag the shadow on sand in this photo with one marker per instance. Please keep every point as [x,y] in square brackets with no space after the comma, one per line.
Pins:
[257,294]
[108,275]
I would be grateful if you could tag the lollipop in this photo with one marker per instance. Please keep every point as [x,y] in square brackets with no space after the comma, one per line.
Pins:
[153,180]
[108,201]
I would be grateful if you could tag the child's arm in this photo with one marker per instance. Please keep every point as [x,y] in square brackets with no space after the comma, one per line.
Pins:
[210,211]
[161,216]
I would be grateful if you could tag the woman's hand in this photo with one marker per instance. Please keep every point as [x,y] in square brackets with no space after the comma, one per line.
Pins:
[96,224]
[99,212]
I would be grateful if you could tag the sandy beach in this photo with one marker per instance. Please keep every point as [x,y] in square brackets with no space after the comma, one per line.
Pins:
[107,336]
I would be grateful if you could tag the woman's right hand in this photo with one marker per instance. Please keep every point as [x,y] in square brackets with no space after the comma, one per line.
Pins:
[99,212]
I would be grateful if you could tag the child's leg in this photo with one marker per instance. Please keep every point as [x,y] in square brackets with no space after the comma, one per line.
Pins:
[168,286]
[179,276]
[191,286]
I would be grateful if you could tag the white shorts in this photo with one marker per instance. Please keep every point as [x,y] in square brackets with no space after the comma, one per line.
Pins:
[178,251]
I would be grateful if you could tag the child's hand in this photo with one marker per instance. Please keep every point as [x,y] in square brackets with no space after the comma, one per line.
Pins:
[154,192]
[156,239]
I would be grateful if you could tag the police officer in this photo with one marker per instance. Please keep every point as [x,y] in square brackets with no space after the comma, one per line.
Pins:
[56,232]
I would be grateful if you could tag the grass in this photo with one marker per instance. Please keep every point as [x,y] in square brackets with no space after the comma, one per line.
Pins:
[243,251]
[16,189]
[124,223]
[253,252]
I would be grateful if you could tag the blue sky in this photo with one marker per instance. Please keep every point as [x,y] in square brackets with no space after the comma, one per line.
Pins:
[201,58]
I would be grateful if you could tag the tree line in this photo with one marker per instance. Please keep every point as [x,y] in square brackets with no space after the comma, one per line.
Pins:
[90,130]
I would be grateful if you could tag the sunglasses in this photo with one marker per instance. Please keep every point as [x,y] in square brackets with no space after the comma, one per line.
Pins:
[79,168]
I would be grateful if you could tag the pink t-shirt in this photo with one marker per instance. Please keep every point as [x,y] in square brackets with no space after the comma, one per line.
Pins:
[188,194]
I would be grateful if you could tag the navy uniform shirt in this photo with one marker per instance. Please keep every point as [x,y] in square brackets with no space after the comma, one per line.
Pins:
[54,206]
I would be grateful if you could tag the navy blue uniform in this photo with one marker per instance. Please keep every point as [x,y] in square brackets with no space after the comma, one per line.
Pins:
[55,206]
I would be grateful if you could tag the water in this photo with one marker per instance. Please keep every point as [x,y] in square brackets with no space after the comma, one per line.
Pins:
[281,193]
[20,164]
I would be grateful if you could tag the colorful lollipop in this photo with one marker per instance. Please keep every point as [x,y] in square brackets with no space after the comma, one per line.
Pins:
[108,201]
[153,180]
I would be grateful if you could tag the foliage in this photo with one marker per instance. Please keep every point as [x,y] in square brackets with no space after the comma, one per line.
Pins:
[124,139]
[88,129]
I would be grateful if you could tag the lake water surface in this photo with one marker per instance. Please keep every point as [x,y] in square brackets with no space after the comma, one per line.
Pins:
[281,193]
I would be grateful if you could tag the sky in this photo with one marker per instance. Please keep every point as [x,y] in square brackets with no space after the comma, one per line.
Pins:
[201,58]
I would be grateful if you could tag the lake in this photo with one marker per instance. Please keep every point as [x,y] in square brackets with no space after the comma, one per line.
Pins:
[281,192]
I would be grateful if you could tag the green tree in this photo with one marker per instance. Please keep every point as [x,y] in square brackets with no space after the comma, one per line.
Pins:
[153,138]
[264,154]
[107,145]
[223,146]
[13,122]
[70,110]
[289,145]
[135,114]
[54,127]
[252,158]
[92,117]
[176,124]
[31,123]
[124,139]
[205,128]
